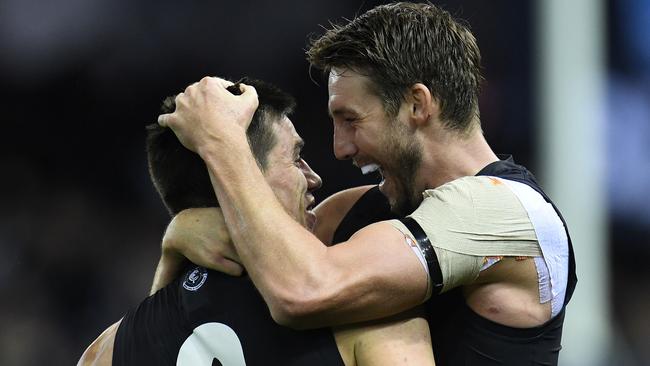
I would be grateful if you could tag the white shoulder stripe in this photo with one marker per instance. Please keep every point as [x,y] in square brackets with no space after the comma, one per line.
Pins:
[551,236]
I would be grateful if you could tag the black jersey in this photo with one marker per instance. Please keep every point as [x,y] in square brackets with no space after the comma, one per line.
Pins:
[371,207]
[459,335]
[208,318]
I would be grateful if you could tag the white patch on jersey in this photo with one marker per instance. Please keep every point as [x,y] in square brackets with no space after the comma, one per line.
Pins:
[209,341]
[553,242]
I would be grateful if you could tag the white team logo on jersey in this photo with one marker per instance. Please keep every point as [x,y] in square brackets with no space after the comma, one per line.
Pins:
[195,279]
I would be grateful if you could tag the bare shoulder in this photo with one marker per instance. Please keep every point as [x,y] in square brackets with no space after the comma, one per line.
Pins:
[100,352]
[333,209]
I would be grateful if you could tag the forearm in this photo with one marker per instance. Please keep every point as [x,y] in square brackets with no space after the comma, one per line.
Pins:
[305,283]
[169,267]
[372,275]
[280,255]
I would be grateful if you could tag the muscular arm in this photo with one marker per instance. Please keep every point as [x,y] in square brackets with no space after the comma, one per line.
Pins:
[305,283]
[100,352]
[169,267]
[199,235]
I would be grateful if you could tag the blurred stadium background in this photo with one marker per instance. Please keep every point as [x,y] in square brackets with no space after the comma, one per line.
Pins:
[567,92]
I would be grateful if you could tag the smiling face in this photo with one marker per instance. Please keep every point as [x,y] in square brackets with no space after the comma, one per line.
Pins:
[289,176]
[364,133]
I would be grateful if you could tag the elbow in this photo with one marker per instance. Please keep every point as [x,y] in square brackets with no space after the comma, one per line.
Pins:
[299,310]
[285,316]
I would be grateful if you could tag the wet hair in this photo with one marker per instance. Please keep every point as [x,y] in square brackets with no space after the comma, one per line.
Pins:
[180,175]
[400,44]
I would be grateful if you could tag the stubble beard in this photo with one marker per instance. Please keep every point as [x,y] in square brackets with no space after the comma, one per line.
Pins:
[404,157]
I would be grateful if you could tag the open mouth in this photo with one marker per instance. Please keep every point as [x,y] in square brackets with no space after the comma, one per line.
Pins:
[373,168]
[311,203]
[310,216]
[369,168]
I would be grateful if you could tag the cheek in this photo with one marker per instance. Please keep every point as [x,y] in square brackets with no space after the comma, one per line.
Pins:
[368,139]
[299,185]
[289,189]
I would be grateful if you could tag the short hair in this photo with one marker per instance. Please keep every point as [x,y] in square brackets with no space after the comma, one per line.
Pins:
[180,175]
[400,44]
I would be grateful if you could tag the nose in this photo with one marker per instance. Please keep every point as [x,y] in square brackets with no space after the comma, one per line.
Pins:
[313,180]
[344,147]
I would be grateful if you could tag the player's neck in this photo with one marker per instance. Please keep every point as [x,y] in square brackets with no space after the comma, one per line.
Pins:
[453,156]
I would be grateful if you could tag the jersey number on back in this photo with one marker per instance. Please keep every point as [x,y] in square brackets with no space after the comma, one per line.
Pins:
[211,344]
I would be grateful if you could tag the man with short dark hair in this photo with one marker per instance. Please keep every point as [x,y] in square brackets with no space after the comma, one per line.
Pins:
[208,318]
[403,84]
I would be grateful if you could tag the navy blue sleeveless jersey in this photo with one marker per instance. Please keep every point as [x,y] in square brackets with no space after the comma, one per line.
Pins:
[206,318]
[459,335]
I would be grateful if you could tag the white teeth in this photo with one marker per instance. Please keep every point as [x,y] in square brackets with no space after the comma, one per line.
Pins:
[367,169]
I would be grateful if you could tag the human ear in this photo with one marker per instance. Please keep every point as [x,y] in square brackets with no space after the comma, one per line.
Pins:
[424,106]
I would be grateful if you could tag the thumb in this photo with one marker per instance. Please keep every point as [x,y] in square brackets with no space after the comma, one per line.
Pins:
[249,94]
[163,120]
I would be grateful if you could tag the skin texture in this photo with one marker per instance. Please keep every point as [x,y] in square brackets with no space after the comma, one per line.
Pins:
[290,177]
[325,286]
[397,340]
[206,230]
[401,340]
[315,285]
[507,293]
[100,352]
[363,133]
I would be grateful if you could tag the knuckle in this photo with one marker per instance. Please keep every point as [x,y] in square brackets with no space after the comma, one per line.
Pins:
[191,88]
[209,82]
[179,97]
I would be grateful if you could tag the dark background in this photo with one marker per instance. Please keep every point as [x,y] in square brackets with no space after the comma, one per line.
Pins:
[80,222]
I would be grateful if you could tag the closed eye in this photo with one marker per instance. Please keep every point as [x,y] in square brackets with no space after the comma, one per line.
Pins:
[297,152]
[347,115]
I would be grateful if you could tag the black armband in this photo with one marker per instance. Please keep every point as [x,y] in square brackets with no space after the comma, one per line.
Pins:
[435,274]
